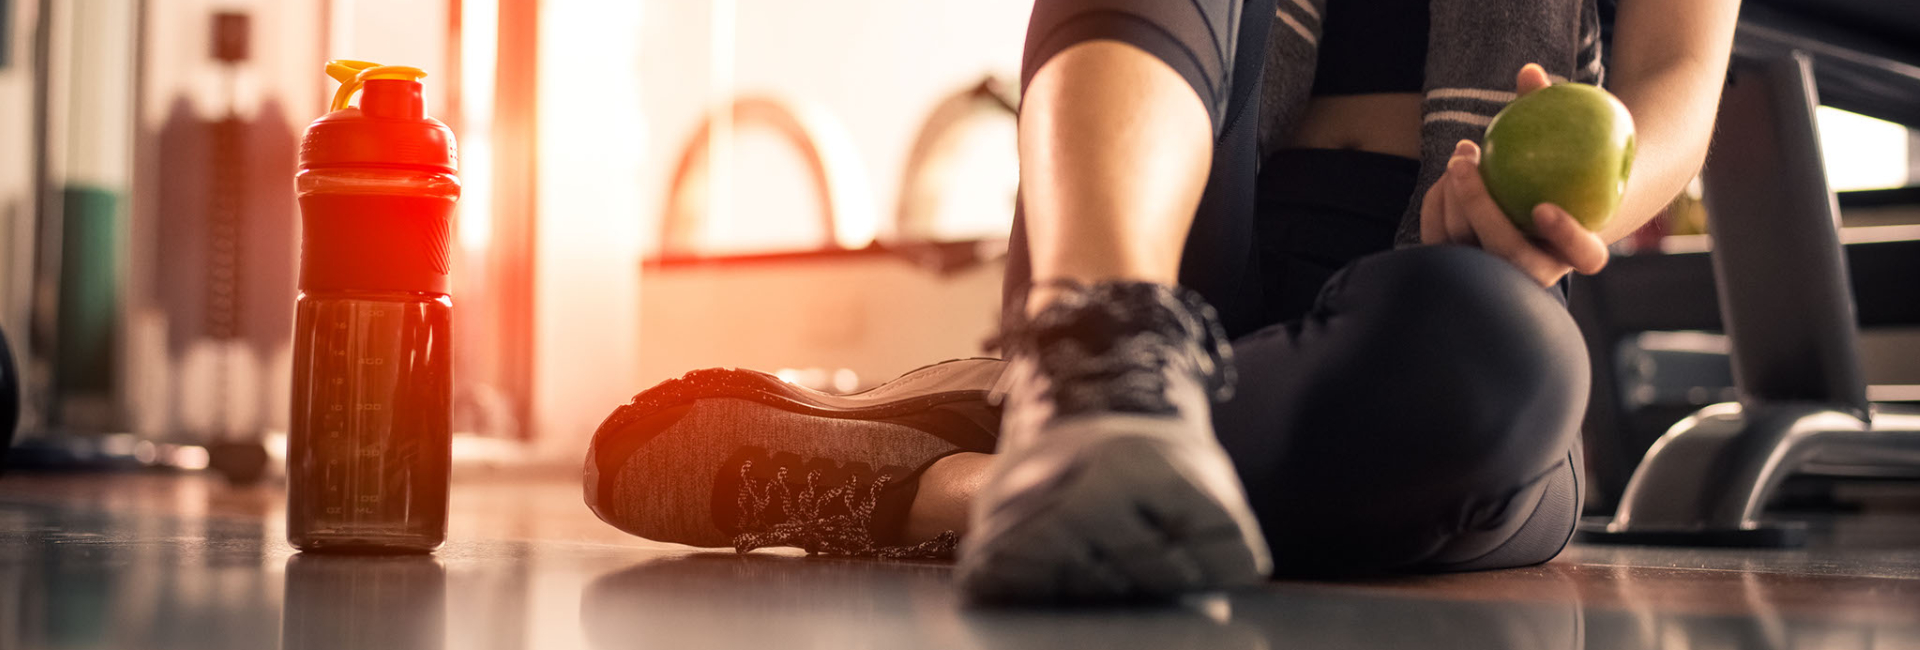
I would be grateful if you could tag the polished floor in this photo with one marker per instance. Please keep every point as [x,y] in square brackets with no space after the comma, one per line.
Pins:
[183,561]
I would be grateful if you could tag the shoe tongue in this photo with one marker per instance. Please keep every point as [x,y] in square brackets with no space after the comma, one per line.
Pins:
[1104,314]
[1099,318]
[1091,330]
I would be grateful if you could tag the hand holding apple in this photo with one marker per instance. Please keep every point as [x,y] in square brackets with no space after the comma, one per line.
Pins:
[1568,144]
[1460,209]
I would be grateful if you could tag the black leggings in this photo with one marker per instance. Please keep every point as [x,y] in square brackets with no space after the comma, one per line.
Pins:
[1397,410]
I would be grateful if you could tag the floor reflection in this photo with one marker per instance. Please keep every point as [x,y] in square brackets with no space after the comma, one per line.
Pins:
[89,574]
[1203,623]
[1290,615]
[717,600]
[364,602]
[723,600]
[90,580]
[753,602]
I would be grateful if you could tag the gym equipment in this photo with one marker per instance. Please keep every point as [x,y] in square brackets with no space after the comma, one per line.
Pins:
[1791,299]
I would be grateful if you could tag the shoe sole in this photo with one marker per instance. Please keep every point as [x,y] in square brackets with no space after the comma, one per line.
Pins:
[652,467]
[1125,524]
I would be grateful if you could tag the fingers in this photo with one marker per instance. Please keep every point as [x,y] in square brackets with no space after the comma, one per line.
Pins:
[1458,227]
[1454,222]
[1433,227]
[1531,77]
[1459,210]
[1576,245]
[1467,196]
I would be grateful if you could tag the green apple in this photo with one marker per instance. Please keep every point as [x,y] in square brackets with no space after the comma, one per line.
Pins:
[1567,144]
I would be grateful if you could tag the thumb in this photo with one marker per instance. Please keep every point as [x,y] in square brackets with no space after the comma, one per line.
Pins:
[1532,77]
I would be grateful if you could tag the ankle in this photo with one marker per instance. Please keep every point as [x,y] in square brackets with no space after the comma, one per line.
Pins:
[1043,293]
[946,489]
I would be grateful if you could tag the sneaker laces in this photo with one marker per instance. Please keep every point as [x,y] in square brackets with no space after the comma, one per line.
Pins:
[800,520]
[1105,347]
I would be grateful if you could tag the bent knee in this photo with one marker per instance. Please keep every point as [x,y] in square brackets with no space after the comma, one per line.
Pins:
[1471,317]
[1486,365]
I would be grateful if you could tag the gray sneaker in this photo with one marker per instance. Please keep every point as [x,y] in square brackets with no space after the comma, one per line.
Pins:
[1109,483]
[738,458]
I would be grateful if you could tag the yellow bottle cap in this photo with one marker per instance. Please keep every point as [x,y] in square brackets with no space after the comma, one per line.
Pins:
[351,74]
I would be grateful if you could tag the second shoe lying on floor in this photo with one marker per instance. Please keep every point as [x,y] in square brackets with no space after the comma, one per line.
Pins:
[740,458]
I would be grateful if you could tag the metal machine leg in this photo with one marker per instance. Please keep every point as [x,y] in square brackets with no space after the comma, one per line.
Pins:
[1787,307]
[1706,481]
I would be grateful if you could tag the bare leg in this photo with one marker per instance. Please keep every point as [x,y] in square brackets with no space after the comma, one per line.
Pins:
[1114,152]
[1115,149]
[946,487]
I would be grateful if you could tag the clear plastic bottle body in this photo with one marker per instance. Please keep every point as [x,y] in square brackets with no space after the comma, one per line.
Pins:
[370,448]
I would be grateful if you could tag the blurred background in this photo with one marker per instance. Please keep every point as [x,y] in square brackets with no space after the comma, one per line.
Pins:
[819,189]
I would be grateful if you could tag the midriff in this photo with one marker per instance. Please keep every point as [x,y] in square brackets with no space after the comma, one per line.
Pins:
[1387,123]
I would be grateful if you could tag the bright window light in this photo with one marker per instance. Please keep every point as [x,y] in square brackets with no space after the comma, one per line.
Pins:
[1862,153]
[479,49]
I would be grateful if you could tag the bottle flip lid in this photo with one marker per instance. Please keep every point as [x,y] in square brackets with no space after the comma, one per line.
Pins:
[390,127]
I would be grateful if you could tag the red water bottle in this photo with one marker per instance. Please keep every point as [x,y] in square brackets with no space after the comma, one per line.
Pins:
[370,447]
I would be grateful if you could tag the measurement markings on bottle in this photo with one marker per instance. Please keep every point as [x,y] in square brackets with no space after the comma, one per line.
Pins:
[364,380]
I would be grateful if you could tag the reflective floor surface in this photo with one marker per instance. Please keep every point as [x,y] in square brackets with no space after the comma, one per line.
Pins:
[153,561]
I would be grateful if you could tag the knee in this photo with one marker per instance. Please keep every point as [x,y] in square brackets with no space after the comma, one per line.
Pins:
[1467,309]
[1495,366]
[1519,334]
[1186,36]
